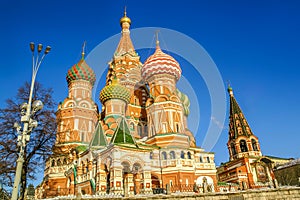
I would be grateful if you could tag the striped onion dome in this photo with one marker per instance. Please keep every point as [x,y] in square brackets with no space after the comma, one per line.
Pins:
[114,91]
[185,101]
[81,71]
[161,63]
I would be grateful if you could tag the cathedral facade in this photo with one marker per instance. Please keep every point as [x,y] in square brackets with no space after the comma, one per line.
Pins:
[138,142]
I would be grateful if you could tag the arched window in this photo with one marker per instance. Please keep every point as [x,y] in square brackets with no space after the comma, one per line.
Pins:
[164,155]
[151,155]
[208,159]
[58,162]
[65,161]
[53,163]
[189,156]
[201,159]
[243,146]
[177,127]
[254,145]
[172,155]
[136,168]
[233,149]
[126,167]
[182,155]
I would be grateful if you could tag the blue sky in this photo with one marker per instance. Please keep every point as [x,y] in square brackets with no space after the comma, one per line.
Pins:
[254,44]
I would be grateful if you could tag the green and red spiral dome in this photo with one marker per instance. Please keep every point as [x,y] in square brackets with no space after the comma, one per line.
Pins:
[81,71]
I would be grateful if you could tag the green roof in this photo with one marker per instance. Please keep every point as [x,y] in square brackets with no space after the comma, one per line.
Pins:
[81,148]
[122,134]
[99,138]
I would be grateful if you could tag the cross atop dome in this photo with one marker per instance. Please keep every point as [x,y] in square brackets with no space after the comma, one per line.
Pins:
[125,19]
[83,49]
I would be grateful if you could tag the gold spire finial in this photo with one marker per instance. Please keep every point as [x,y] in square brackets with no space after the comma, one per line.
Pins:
[83,48]
[157,41]
[125,18]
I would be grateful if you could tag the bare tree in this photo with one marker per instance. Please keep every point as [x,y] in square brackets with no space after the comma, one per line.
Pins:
[41,141]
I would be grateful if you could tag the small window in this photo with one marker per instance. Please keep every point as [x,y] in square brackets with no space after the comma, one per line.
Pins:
[177,128]
[189,156]
[172,155]
[243,146]
[58,162]
[182,155]
[151,155]
[254,145]
[208,159]
[164,155]
[201,159]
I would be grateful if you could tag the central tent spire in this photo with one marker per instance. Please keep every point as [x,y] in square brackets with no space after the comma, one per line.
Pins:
[125,44]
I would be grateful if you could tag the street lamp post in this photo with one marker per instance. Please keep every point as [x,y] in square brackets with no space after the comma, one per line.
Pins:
[28,110]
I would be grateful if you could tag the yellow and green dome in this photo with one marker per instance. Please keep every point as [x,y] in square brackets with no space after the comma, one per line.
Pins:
[114,91]
[185,102]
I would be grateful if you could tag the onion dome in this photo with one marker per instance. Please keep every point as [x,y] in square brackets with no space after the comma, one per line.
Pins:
[160,63]
[114,91]
[125,19]
[81,71]
[185,102]
[230,90]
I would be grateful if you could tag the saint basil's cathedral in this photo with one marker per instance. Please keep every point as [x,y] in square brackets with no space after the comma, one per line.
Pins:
[140,140]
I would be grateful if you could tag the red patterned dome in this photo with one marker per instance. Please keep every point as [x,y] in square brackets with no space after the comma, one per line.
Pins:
[81,71]
[161,63]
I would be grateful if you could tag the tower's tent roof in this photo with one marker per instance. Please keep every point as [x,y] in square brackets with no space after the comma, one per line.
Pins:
[99,138]
[122,134]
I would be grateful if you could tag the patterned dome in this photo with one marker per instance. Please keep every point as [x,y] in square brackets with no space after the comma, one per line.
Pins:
[114,91]
[81,71]
[161,63]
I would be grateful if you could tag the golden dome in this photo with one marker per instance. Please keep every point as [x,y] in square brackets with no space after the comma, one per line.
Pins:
[125,19]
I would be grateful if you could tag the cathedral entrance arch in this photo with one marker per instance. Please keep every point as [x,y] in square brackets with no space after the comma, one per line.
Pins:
[126,171]
[155,181]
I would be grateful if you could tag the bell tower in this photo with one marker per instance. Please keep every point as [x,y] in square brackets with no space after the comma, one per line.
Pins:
[242,142]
